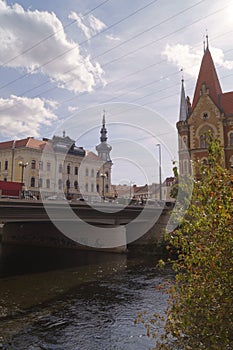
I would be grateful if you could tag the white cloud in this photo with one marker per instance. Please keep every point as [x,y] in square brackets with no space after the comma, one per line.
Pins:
[112,37]
[72,109]
[90,25]
[188,58]
[24,116]
[20,30]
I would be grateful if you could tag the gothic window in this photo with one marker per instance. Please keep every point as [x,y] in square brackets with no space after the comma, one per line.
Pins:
[33,182]
[231,139]
[202,141]
[33,164]
[205,116]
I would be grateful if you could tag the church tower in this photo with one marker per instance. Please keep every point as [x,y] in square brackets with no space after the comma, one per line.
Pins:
[104,149]
[211,110]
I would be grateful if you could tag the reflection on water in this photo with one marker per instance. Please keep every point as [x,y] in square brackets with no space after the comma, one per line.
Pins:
[63,299]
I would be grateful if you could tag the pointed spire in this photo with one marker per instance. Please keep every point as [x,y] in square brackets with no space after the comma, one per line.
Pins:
[183,104]
[208,76]
[103,131]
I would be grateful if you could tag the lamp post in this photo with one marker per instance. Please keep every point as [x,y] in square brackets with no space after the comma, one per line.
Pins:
[103,177]
[130,189]
[23,166]
[160,172]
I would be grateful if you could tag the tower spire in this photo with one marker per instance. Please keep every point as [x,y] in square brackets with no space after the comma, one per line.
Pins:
[103,131]
[183,103]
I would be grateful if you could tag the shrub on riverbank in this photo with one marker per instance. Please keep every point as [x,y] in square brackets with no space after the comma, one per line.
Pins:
[199,314]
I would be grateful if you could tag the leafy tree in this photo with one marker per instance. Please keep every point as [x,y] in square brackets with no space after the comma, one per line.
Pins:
[199,315]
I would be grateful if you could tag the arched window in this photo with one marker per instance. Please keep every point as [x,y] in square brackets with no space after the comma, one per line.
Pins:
[60,184]
[68,169]
[87,172]
[76,184]
[68,184]
[202,141]
[76,170]
[47,183]
[40,182]
[33,182]
[231,139]
[33,164]
[40,165]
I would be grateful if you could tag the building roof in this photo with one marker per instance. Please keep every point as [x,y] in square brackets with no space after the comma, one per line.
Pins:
[226,102]
[207,75]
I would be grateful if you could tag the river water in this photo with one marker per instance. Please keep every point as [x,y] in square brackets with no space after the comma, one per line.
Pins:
[72,300]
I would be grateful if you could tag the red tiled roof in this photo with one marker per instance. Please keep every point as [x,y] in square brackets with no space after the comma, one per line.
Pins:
[6,144]
[21,143]
[226,102]
[207,75]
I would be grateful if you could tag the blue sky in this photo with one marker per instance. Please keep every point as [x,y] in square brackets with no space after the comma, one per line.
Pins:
[64,62]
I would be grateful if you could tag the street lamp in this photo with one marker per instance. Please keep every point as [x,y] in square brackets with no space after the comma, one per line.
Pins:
[103,177]
[130,192]
[160,175]
[23,166]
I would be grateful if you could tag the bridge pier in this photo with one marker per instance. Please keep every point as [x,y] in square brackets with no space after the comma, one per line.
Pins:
[46,234]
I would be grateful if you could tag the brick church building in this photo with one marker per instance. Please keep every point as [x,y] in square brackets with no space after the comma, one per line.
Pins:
[210,110]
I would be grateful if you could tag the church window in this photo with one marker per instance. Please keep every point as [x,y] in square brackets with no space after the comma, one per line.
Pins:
[205,116]
[202,141]
[231,139]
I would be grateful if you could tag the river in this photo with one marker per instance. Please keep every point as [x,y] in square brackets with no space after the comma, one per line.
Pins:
[72,300]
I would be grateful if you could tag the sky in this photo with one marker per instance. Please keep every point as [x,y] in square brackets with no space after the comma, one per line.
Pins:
[65,63]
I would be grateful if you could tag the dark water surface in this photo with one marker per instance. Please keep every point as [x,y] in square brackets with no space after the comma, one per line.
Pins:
[64,299]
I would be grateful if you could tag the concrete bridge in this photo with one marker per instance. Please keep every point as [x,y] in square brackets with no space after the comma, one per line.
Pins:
[103,226]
